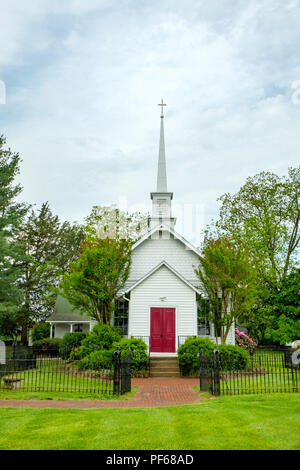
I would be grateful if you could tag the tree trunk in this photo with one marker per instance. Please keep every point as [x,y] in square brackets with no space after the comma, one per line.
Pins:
[24,335]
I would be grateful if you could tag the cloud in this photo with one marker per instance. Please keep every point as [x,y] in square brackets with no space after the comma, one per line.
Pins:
[83,80]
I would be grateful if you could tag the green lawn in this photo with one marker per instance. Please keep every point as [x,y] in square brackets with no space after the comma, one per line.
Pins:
[248,422]
[277,381]
[54,377]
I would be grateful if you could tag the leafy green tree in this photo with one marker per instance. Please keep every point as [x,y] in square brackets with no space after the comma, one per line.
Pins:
[111,222]
[11,253]
[49,246]
[9,324]
[284,324]
[228,274]
[265,214]
[93,281]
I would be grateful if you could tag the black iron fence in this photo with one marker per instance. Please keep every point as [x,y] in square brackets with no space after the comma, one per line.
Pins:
[268,372]
[35,373]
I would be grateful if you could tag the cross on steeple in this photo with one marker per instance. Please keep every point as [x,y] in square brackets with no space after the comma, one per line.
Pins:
[162,104]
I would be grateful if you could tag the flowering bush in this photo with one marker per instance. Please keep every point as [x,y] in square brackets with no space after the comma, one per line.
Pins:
[244,341]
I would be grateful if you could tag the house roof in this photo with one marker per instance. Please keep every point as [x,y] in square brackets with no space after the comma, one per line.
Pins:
[163,263]
[63,311]
[165,228]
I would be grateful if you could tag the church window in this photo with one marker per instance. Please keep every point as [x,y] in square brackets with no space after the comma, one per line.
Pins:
[203,324]
[121,315]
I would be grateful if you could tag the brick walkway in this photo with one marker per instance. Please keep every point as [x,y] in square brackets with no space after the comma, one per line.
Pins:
[151,392]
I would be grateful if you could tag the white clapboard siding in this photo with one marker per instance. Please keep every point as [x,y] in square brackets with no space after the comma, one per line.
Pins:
[151,252]
[178,295]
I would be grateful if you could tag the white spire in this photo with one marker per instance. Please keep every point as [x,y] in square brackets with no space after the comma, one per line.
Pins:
[162,171]
[162,199]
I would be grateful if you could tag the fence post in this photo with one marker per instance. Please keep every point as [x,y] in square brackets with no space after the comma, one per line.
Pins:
[216,380]
[116,386]
[200,371]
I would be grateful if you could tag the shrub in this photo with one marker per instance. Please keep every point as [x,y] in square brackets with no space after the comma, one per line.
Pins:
[188,354]
[233,357]
[244,341]
[70,341]
[139,356]
[40,331]
[47,345]
[101,337]
[97,360]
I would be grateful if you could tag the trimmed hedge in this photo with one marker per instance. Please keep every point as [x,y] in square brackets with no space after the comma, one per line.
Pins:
[47,345]
[139,355]
[101,337]
[69,342]
[40,331]
[188,354]
[230,357]
[233,357]
[103,359]
[97,360]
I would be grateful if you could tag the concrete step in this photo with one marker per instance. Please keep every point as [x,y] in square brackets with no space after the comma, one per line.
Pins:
[164,367]
[164,374]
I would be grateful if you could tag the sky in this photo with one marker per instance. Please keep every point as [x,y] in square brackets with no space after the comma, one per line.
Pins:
[80,82]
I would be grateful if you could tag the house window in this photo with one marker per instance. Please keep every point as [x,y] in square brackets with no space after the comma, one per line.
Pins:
[203,324]
[78,328]
[121,315]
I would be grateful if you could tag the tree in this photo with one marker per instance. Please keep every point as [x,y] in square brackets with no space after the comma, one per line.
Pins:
[11,253]
[284,322]
[265,214]
[94,280]
[49,246]
[9,324]
[106,221]
[228,275]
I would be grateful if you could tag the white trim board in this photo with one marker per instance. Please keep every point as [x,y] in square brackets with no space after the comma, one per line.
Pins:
[166,229]
[163,263]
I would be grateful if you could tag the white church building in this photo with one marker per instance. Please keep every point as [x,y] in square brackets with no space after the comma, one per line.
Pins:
[162,301]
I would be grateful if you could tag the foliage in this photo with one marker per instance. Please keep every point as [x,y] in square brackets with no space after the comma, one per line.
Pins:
[93,281]
[49,246]
[40,331]
[188,354]
[97,360]
[233,357]
[244,341]
[228,274]
[69,342]
[101,337]
[9,326]
[48,345]
[284,320]
[265,214]
[139,355]
[11,253]
[111,222]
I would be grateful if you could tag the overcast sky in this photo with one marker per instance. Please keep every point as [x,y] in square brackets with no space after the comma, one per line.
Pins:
[83,79]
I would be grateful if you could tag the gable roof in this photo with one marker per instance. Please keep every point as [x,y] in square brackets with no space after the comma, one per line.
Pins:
[163,263]
[64,311]
[165,228]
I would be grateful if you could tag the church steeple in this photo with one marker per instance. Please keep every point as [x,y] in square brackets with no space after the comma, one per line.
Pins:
[162,171]
[161,199]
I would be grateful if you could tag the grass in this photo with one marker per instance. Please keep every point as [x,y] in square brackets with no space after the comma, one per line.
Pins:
[32,395]
[52,377]
[247,422]
[282,381]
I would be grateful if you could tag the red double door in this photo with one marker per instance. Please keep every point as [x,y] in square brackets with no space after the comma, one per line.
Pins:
[162,330]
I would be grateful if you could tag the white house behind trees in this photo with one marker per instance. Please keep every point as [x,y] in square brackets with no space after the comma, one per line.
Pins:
[160,302]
